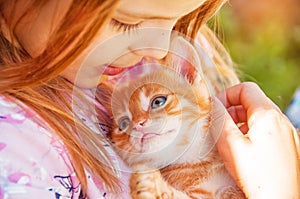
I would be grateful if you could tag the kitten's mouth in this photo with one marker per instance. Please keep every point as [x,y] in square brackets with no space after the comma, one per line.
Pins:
[148,136]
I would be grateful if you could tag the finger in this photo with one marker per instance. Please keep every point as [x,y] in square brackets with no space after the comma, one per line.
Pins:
[239,116]
[237,113]
[244,128]
[251,97]
[247,94]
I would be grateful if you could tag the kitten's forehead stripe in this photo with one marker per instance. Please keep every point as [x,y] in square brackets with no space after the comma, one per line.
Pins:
[144,100]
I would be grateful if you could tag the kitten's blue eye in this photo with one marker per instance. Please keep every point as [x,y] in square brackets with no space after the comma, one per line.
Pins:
[158,102]
[124,123]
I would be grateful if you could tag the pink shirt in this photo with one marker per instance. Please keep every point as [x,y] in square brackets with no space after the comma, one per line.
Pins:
[34,162]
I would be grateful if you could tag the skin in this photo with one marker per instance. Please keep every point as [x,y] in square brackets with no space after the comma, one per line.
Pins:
[155,20]
[263,155]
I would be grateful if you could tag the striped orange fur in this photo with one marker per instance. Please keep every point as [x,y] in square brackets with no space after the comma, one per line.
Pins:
[191,109]
[162,120]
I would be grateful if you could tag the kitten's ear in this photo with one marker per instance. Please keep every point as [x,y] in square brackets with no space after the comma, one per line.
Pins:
[184,59]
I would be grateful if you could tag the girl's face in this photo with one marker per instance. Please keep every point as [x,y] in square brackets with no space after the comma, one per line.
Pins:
[137,29]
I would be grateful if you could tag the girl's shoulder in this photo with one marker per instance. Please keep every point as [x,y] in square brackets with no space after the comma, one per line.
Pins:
[33,161]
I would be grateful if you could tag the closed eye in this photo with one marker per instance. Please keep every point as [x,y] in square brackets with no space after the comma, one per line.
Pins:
[120,26]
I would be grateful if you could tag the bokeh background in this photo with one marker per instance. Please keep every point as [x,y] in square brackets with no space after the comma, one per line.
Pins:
[263,38]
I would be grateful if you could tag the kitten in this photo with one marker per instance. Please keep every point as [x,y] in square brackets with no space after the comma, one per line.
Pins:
[161,121]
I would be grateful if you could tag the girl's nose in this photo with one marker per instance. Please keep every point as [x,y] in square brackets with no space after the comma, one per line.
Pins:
[152,52]
[151,42]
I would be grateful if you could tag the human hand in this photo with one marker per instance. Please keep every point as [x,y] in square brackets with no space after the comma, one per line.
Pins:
[263,154]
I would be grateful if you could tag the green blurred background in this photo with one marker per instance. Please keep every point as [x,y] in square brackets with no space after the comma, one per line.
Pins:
[263,38]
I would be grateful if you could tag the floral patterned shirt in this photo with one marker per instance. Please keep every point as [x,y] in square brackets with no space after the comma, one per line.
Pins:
[34,163]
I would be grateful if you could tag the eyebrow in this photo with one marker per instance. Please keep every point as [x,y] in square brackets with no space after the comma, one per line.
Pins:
[145,16]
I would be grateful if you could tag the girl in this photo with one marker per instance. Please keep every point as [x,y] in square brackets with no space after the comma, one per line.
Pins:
[52,54]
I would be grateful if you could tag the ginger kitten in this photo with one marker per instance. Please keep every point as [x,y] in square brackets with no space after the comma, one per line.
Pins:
[160,127]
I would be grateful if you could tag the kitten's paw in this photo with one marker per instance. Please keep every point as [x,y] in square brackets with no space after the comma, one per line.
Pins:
[147,183]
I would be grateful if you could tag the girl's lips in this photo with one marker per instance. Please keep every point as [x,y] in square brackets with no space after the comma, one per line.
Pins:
[112,70]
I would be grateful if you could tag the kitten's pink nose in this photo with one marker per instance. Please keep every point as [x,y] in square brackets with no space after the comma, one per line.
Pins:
[142,123]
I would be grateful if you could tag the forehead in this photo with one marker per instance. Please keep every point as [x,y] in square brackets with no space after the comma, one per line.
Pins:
[158,8]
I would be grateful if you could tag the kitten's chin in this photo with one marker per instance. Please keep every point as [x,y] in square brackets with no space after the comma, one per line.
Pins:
[155,142]
[153,153]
